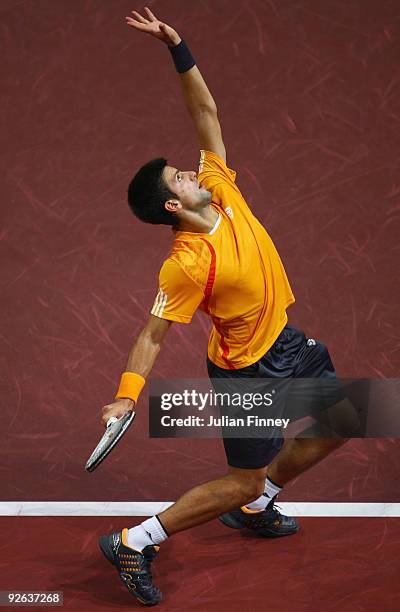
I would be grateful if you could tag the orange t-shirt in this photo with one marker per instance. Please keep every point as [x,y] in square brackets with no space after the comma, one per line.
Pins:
[233,273]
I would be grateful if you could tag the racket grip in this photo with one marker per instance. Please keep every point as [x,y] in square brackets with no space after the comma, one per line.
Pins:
[111,420]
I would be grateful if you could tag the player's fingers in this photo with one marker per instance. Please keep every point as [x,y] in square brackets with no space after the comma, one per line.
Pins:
[151,16]
[136,24]
[139,17]
[131,20]
[106,416]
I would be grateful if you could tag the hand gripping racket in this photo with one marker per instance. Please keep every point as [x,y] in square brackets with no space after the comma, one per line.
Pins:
[114,432]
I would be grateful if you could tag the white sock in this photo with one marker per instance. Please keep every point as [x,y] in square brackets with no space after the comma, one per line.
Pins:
[270,491]
[148,533]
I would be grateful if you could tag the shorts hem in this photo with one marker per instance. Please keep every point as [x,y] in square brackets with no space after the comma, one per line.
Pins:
[249,467]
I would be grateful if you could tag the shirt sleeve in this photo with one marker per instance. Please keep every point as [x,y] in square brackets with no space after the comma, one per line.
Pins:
[217,178]
[213,170]
[178,295]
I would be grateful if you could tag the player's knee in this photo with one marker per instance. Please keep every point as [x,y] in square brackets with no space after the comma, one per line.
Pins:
[251,486]
[255,489]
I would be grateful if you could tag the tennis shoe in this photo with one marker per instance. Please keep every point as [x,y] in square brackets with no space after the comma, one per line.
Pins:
[134,567]
[268,523]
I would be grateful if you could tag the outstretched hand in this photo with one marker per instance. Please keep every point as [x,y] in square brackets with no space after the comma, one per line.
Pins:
[155,27]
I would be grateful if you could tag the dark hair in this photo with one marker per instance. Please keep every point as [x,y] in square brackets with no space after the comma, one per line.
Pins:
[148,192]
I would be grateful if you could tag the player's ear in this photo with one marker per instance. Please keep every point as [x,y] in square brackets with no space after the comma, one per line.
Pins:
[172,205]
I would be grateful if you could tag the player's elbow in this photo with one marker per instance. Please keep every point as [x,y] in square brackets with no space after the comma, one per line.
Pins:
[152,340]
[155,331]
[209,108]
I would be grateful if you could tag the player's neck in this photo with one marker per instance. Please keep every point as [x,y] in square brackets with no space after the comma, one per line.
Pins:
[200,222]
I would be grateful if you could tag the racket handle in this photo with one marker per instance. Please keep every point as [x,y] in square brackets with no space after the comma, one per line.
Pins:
[111,420]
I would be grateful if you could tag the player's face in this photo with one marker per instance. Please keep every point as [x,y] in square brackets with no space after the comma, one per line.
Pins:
[185,184]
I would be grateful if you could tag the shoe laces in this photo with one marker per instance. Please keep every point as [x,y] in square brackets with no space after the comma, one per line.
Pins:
[278,515]
[273,510]
[148,558]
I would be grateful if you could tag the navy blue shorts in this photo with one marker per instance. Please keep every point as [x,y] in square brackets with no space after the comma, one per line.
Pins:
[291,356]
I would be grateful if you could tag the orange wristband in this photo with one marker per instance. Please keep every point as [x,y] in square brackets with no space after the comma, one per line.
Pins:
[130,386]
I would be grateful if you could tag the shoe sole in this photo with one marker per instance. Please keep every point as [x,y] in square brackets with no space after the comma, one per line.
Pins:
[230,521]
[105,548]
[233,523]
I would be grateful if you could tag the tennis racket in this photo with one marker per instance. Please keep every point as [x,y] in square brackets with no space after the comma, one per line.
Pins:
[114,432]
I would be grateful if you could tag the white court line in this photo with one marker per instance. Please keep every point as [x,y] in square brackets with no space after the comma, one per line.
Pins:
[99,508]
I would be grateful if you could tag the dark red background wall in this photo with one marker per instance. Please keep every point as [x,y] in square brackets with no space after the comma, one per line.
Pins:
[308,97]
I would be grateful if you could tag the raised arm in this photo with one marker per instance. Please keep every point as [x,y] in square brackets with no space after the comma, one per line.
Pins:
[198,99]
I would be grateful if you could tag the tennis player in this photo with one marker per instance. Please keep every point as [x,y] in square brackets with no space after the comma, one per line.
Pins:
[224,263]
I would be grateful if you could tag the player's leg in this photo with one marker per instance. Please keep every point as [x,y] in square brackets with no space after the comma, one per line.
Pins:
[292,355]
[131,551]
[298,455]
[259,514]
[312,361]
[207,501]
